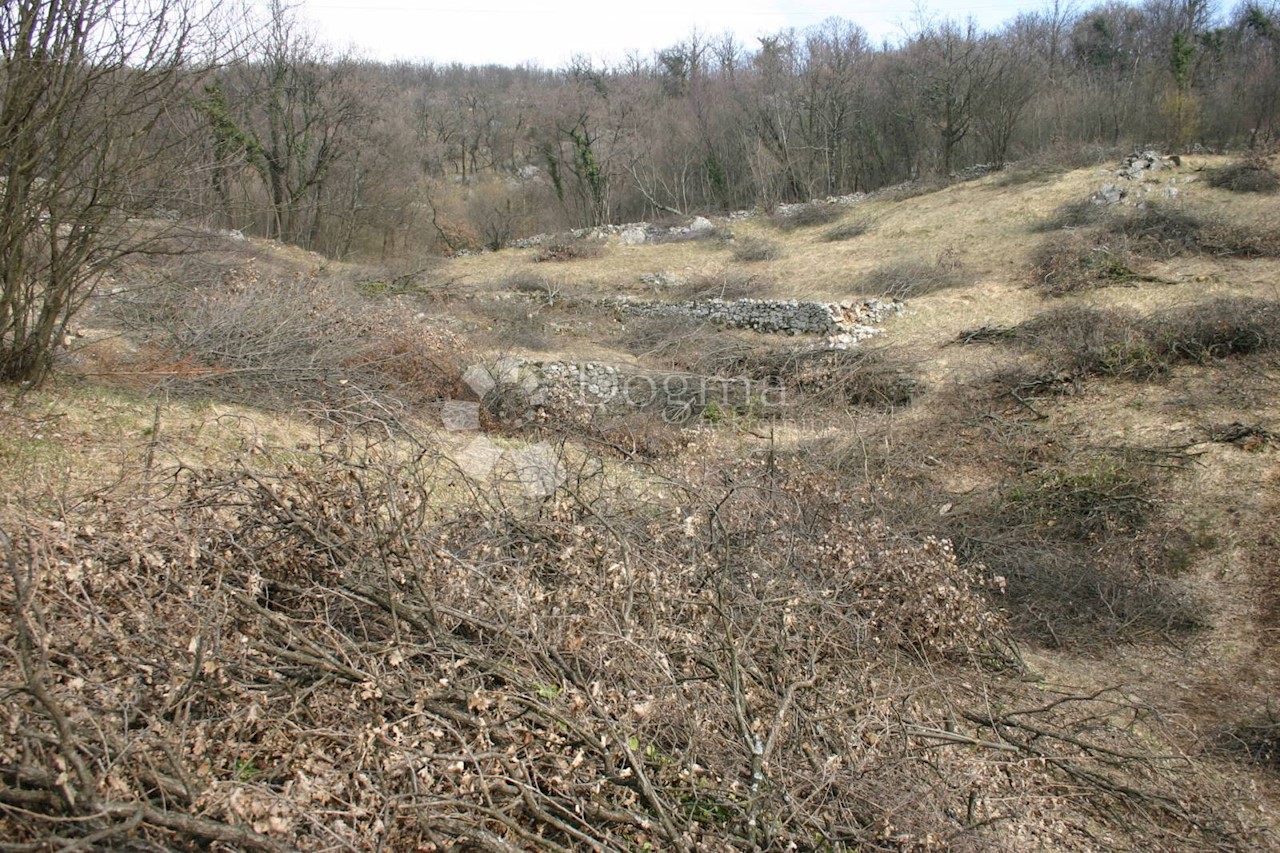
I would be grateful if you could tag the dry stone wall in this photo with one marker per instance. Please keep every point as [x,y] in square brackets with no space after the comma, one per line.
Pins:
[774,316]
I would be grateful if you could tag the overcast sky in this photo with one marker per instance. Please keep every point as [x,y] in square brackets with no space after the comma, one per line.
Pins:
[511,32]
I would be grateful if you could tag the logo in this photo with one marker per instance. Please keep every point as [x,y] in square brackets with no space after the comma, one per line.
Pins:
[511,395]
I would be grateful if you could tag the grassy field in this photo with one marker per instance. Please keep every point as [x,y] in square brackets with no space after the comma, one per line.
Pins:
[1001,578]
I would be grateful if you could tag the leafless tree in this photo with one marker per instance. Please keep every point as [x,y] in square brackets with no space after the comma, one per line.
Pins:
[84,89]
[291,113]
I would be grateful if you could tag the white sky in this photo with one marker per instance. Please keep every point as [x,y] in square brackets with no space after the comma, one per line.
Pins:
[510,32]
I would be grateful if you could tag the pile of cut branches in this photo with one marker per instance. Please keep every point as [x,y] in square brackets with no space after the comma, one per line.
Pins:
[361,647]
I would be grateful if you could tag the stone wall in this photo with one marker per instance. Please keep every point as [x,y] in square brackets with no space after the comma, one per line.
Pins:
[518,391]
[774,316]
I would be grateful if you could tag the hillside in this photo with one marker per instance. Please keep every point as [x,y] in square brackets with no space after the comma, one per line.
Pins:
[937,518]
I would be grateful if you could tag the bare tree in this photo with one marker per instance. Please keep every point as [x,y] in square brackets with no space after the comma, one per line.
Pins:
[1010,86]
[291,113]
[83,91]
[952,72]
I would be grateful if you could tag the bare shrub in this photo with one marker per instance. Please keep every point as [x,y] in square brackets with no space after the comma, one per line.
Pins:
[720,655]
[1079,341]
[303,342]
[726,284]
[643,436]
[661,336]
[528,283]
[806,216]
[515,322]
[754,250]
[1049,164]
[908,278]
[1219,328]
[569,248]
[1257,739]
[1071,263]
[847,231]
[865,376]
[1022,174]
[422,363]
[1065,539]
[1074,214]
[1107,256]
[739,666]
[913,189]
[1252,173]
[1165,231]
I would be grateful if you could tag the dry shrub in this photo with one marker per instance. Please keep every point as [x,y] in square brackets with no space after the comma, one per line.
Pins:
[1073,343]
[1071,541]
[303,342]
[1070,263]
[913,189]
[422,363]
[1049,164]
[1074,214]
[754,250]
[1252,173]
[726,284]
[569,248]
[333,650]
[912,595]
[715,234]
[864,376]
[671,338]
[643,436]
[806,216]
[1078,341]
[1166,231]
[1107,256]
[1073,537]
[528,283]
[908,278]
[1219,328]
[847,231]
[1257,740]
[687,345]
[514,323]
[1022,174]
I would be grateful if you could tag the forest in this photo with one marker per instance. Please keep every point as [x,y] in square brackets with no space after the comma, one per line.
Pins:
[293,141]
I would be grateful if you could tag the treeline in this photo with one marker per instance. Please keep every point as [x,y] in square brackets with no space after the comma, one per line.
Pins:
[345,156]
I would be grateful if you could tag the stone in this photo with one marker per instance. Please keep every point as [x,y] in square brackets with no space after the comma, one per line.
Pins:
[700,223]
[661,279]
[1109,194]
[634,236]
